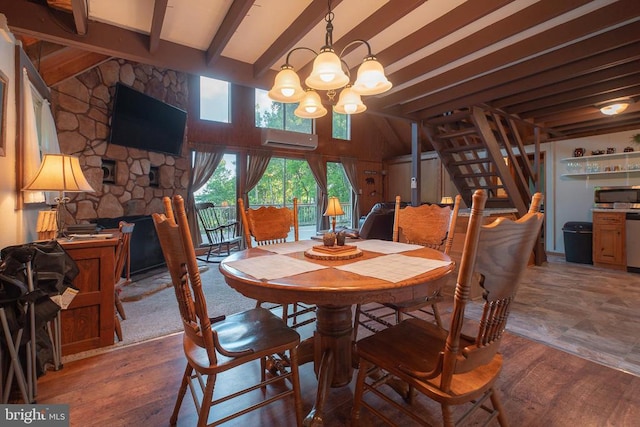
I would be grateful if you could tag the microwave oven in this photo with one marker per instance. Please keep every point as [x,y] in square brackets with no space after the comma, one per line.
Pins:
[617,197]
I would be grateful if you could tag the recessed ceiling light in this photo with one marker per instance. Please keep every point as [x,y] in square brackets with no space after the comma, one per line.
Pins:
[614,107]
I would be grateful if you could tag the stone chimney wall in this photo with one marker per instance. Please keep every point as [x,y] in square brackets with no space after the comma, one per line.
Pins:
[82,108]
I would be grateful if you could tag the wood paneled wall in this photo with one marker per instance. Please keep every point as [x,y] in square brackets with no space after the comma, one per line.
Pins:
[366,143]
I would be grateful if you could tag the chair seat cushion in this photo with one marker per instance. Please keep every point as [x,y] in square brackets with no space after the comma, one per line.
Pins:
[257,329]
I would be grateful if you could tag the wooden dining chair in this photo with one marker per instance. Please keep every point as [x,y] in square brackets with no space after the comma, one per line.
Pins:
[214,346]
[268,225]
[432,226]
[450,367]
[123,255]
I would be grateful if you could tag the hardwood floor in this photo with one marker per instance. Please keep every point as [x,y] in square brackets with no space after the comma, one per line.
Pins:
[540,385]
[137,385]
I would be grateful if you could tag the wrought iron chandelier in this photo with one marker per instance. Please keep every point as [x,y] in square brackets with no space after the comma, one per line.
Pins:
[328,75]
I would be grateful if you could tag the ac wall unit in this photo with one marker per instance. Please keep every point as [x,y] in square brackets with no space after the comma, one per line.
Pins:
[290,140]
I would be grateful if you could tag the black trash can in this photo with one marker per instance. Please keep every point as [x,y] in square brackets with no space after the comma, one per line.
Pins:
[577,242]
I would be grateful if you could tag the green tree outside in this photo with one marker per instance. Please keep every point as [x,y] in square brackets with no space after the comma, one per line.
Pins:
[221,187]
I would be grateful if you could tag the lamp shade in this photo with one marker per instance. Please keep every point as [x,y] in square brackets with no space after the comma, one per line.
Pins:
[371,79]
[349,102]
[333,207]
[327,72]
[446,200]
[311,106]
[286,87]
[59,172]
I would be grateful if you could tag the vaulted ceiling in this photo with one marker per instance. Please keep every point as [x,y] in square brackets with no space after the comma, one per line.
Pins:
[549,62]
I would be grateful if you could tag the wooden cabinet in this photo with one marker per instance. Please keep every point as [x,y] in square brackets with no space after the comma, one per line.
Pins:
[609,240]
[88,322]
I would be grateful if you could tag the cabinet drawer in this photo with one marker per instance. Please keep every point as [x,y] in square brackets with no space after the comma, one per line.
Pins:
[613,218]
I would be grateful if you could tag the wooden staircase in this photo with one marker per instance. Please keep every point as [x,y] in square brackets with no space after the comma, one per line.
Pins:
[482,148]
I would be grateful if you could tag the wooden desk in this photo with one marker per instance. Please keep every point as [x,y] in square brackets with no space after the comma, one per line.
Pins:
[88,322]
[334,291]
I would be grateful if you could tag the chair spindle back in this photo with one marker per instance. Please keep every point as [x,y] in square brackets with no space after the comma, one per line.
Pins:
[179,254]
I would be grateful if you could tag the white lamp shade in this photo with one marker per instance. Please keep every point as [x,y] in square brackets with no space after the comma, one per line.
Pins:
[311,106]
[371,79]
[333,207]
[349,102]
[59,172]
[286,87]
[327,72]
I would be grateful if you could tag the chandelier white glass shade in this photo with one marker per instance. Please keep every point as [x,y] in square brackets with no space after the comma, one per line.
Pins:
[286,87]
[328,74]
[371,79]
[310,106]
[349,102]
[327,71]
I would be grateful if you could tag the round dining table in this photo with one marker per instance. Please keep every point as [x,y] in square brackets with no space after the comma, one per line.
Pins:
[381,272]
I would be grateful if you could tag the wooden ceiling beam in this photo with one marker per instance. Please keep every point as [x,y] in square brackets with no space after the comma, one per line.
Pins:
[33,20]
[531,75]
[157,21]
[587,101]
[456,19]
[454,96]
[512,55]
[552,87]
[612,123]
[381,18]
[605,87]
[80,16]
[228,27]
[309,18]
[567,119]
[527,18]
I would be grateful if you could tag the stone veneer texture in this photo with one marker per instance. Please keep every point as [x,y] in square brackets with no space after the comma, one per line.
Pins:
[82,109]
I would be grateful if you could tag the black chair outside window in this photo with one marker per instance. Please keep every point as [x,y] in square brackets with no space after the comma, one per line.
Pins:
[222,236]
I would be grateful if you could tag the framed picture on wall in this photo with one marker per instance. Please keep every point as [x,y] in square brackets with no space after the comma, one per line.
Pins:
[4,83]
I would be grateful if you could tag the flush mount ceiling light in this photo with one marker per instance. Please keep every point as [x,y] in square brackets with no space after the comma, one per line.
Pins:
[614,107]
[328,75]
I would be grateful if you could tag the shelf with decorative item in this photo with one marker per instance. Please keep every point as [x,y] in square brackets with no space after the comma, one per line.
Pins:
[602,164]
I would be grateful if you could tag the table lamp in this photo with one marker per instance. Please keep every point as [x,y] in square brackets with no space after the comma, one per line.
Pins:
[62,173]
[333,209]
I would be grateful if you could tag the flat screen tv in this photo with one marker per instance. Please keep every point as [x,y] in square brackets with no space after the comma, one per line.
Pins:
[141,121]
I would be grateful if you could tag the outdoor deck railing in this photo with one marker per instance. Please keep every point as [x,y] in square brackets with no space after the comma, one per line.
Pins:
[306,214]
